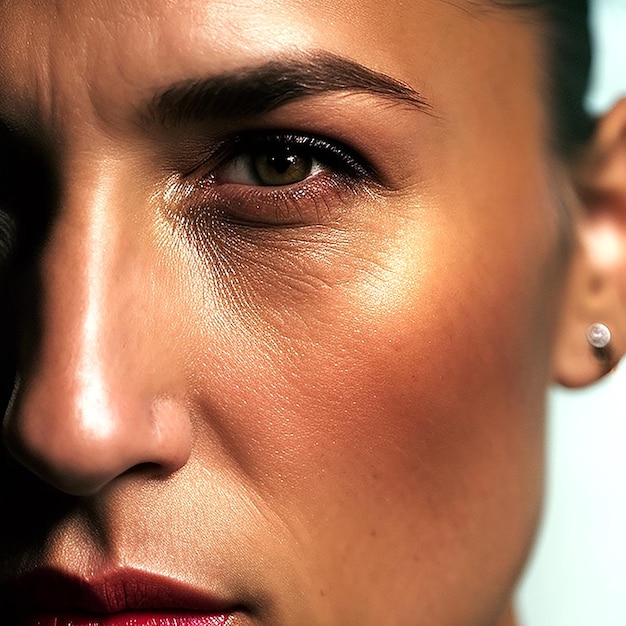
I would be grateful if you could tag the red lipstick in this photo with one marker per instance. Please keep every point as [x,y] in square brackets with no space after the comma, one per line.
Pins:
[132,618]
[119,598]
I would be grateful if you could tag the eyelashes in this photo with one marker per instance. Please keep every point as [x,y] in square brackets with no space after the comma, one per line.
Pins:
[278,179]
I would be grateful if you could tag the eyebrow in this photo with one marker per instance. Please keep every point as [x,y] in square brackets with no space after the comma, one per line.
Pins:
[260,89]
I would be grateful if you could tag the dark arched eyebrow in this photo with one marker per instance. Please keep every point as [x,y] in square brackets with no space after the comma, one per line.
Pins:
[256,90]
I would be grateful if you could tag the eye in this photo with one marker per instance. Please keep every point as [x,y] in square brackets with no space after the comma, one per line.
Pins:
[276,179]
[283,159]
[273,166]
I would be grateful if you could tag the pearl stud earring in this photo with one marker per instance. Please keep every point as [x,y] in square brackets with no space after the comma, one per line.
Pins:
[599,336]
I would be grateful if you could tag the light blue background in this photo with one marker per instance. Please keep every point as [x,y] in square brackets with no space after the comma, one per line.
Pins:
[577,576]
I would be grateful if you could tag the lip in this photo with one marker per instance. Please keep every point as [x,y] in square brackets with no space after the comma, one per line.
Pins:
[48,597]
[132,618]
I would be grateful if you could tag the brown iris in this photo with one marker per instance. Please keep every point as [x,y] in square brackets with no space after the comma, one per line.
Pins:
[281,166]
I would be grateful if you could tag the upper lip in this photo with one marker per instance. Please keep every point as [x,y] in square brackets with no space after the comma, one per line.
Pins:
[49,590]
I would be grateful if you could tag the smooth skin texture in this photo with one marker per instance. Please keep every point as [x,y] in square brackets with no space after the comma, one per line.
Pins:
[323,400]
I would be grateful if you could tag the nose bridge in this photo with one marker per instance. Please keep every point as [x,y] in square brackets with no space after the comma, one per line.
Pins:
[76,277]
[88,408]
[79,275]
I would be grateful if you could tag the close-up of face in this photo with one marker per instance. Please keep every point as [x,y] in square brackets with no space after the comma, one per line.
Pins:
[286,284]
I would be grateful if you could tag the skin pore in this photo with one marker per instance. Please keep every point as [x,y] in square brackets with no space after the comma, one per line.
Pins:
[321,400]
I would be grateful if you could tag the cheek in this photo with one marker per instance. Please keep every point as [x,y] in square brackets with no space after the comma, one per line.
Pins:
[394,415]
[418,434]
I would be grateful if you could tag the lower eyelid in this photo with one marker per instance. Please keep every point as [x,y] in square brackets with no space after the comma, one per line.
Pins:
[319,199]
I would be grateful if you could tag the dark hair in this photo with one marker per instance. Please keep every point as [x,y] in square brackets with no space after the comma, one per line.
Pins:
[568,50]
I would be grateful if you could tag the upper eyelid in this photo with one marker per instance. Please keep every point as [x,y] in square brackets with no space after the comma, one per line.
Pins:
[336,151]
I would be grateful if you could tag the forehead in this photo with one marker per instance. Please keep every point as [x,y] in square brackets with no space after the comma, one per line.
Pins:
[55,55]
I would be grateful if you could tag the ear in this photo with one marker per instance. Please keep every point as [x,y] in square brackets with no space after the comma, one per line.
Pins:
[597,282]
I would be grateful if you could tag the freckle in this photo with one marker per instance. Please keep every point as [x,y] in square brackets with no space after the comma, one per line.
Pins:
[373,533]
[322,593]
[375,476]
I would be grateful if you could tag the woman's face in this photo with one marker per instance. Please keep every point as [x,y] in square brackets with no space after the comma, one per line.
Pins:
[286,326]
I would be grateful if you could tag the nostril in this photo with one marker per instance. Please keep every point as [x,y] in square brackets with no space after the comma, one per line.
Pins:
[149,471]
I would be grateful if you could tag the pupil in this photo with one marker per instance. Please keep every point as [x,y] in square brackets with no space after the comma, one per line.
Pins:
[282,167]
[282,162]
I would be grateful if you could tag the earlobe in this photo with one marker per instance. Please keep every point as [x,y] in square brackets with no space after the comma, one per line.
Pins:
[596,292]
[592,304]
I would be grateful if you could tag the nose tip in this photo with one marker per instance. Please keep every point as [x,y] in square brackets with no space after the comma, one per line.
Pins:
[80,448]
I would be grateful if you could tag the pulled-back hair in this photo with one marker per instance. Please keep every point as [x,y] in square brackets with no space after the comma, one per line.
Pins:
[568,53]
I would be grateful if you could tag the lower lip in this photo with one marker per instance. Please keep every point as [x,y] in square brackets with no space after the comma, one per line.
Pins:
[139,618]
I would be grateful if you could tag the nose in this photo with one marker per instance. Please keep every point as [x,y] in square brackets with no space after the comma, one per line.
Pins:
[97,395]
